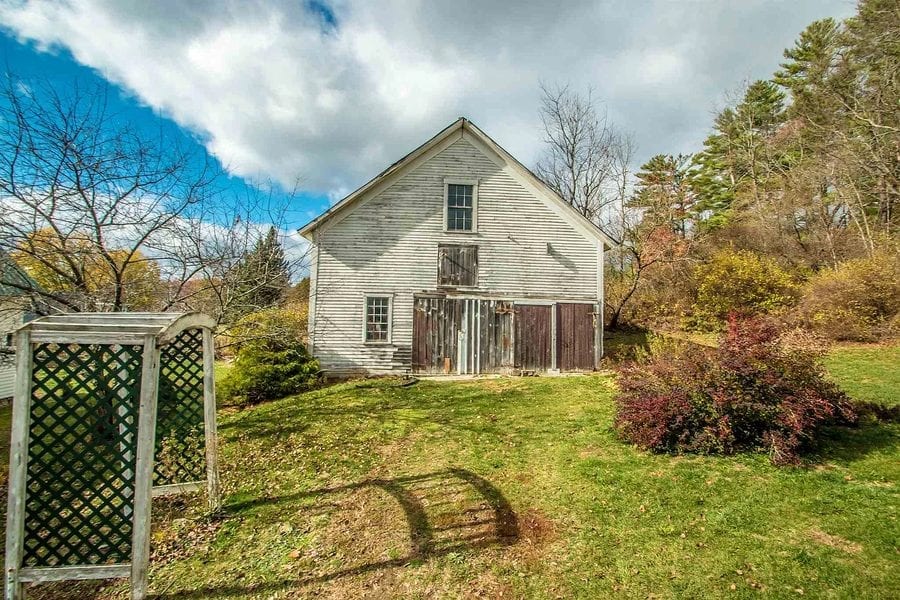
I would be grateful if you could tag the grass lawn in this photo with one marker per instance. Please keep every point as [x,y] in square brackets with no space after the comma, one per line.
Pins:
[517,488]
[869,373]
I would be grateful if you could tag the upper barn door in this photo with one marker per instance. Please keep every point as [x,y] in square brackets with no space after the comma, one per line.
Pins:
[575,336]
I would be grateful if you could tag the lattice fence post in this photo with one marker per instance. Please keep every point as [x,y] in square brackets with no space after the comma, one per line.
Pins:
[18,462]
[143,485]
[92,392]
[209,421]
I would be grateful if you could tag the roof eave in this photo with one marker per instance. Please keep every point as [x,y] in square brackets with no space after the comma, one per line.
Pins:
[307,230]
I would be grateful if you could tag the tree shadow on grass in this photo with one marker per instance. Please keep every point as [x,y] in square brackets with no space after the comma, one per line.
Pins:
[850,444]
[474,515]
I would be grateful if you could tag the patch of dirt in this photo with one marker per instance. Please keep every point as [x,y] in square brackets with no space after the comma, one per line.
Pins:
[536,533]
[77,590]
[488,585]
[366,527]
[835,541]
[387,533]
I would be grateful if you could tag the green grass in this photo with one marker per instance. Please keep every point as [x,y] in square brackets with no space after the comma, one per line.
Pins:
[5,425]
[870,373]
[516,488]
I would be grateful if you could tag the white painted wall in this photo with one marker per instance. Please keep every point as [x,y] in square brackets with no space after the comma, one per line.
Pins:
[12,317]
[7,375]
[388,245]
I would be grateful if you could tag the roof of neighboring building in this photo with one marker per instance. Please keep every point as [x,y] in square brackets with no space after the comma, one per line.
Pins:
[462,125]
[14,281]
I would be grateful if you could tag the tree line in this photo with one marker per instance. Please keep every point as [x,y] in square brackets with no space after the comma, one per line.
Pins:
[793,195]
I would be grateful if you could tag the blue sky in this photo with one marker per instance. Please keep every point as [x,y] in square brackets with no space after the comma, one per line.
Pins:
[327,93]
[56,67]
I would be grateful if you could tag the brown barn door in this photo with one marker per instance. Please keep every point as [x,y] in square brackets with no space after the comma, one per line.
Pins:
[436,326]
[575,336]
[495,337]
[533,350]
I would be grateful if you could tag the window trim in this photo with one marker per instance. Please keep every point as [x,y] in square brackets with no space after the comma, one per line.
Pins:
[437,276]
[448,181]
[390,318]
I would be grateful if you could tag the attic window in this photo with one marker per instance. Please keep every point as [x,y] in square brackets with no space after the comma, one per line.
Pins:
[460,201]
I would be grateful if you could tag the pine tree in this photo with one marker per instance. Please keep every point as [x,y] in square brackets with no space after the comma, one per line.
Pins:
[663,192]
[737,157]
[809,66]
[260,278]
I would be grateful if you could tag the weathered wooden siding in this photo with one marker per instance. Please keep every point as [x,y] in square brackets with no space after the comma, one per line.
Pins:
[462,335]
[436,322]
[389,245]
[575,336]
[533,337]
[12,316]
[496,337]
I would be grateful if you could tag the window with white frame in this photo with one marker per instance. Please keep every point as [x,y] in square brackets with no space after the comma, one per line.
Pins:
[460,206]
[378,319]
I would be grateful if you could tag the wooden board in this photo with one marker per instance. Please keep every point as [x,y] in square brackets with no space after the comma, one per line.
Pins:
[496,339]
[575,336]
[457,265]
[466,335]
[533,350]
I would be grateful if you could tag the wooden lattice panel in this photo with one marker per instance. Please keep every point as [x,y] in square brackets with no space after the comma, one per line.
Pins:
[179,429]
[81,457]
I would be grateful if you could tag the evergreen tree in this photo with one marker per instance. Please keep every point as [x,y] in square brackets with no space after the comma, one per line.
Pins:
[260,278]
[663,192]
[810,66]
[737,157]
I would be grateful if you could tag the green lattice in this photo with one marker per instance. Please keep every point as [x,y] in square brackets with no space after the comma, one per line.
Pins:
[180,455]
[83,437]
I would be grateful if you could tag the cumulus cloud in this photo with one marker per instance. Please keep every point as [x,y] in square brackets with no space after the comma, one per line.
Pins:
[332,92]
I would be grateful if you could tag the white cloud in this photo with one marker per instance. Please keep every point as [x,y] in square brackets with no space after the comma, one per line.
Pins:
[275,93]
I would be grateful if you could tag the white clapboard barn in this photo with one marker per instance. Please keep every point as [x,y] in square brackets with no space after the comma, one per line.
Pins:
[455,259]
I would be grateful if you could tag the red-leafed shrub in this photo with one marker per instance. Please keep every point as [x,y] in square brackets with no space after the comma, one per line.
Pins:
[760,390]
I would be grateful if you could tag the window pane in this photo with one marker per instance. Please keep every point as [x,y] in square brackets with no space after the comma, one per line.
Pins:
[377,316]
[459,207]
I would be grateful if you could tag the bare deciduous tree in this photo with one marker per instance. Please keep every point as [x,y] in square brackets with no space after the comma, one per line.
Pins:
[108,217]
[580,159]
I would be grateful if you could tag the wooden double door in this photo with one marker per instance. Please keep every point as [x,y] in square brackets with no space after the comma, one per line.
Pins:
[455,335]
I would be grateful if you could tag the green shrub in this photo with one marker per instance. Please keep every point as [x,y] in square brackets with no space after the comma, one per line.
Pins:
[739,282]
[271,361]
[859,300]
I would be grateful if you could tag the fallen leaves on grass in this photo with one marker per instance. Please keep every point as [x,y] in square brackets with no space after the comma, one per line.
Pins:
[835,541]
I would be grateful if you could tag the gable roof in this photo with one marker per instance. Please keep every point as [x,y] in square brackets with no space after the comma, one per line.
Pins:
[14,281]
[459,127]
